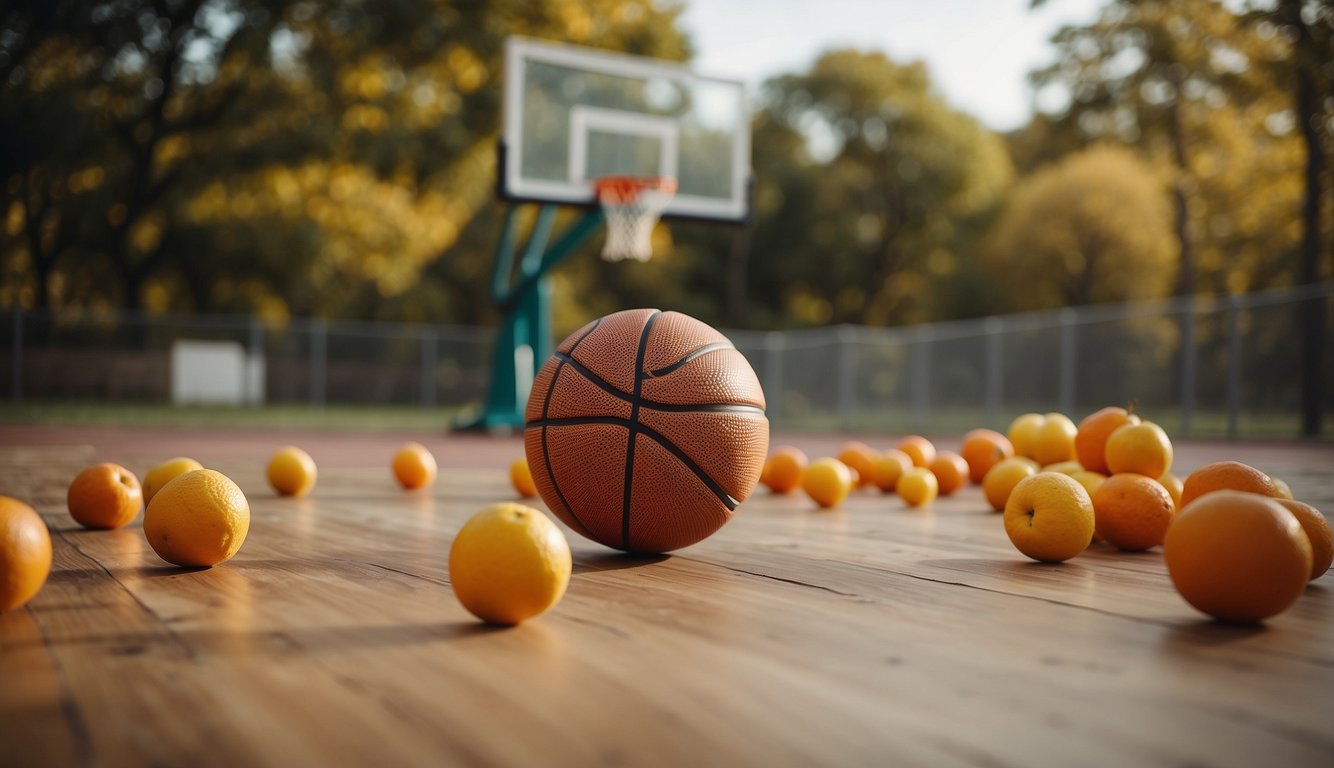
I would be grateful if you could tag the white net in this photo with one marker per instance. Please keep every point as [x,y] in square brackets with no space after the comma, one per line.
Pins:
[632,207]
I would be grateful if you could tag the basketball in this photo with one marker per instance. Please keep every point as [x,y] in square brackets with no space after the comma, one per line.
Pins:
[645,430]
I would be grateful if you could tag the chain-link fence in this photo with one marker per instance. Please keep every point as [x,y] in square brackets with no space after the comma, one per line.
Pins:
[1198,366]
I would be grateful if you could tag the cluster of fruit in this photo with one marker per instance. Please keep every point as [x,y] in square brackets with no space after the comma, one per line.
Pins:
[507,563]
[1236,544]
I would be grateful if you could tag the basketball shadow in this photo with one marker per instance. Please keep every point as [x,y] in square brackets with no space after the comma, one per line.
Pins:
[592,562]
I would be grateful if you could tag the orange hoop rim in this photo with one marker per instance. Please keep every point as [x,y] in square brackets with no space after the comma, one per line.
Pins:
[619,190]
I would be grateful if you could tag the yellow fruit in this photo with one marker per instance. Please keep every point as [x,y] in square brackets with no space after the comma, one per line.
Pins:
[1023,433]
[918,486]
[1049,517]
[1142,448]
[888,468]
[1237,556]
[1281,489]
[1318,533]
[414,466]
[1002,479]
[1090,480]
[782,472]
[919,449]
[827,481]
[166,472]
[105,496]
[25,553]
[1173,485]
[1091,439]
[292,472]
[199,519]
[509,563]
[1064,467]
[1055,440]
[521,477]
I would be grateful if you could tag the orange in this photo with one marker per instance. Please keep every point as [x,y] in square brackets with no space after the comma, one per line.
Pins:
[509,563]
[888,468]
[166,472]
[1132,511]
[105,496]
[918,486]
[1049,517]
[1318,533]
[858,457]
[414,466]
[292,472]
[1055,439]
[1023,433]
[25,553]
[1142,448]
[984,449]
[1281,489]
[199,519]
[521,477]
[1237,556]
[1091,439]
[1064,467]
[951,471]
[1090,480]
[827,481]
[1002,479]
[782,472]
[919,449]
[1173,485]
[1226,475]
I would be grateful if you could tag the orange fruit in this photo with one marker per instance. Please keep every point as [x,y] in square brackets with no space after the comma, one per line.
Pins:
[521,477]
[827,481]
[1055,439]
[1281,489]
[1173,485]
[888,468]
[1142,448]
[919,449]
[951,471]
[1318,532]
[509,563]
[1132,511]
[1064,467]
[1090,480]
[1091,439]
[199,519]
[104,496]
[25,553]
[1226,475]
[414,466]
[1002,479]
[166,472]
[1237,556]
[782,472]
[1049,517]
[984,449]
[858,457]
[1023,433]
[292,472]
[918,486]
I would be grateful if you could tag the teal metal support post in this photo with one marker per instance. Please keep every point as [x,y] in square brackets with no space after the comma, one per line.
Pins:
[523,342]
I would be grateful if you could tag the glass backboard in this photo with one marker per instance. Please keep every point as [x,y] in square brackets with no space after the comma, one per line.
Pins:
[573,114]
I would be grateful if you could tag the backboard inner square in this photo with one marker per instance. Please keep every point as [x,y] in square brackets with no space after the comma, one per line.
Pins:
[607,142]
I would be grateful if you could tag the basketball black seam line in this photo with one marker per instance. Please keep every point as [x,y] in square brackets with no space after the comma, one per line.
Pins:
[634,427]
[654,405]
[691,356]
[657,437]
[546,455]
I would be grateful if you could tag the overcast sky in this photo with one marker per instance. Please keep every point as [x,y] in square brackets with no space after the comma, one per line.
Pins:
[978,51]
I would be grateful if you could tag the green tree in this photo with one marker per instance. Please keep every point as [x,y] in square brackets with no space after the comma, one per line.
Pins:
[1093,227]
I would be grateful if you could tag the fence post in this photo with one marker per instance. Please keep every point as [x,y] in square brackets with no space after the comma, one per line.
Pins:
[993,376]
[1233,365]
[846,372]
[16,382]
[1187,364]
[319,340]
[1068,364]
[773,374]
[921,377]
[429,351]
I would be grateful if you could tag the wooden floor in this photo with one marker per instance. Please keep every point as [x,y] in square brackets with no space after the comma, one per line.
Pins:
[871,635]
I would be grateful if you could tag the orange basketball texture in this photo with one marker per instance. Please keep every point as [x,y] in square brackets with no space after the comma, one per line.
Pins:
[646,430]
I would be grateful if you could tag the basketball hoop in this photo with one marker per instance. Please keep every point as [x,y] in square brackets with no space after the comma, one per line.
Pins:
[632,205]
